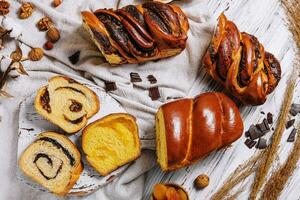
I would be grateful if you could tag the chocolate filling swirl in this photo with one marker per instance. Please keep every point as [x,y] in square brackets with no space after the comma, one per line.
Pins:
[50,162]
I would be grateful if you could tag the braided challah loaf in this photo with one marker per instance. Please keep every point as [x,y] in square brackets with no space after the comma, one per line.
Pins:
[135,34]
[240,63]
[189,129]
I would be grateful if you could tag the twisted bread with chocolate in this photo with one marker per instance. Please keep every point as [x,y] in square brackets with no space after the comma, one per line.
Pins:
[137,33]
[53,161]
[66,103]
[189,129]
[240,63]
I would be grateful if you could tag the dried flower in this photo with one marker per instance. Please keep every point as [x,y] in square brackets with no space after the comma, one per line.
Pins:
[26,10]
[53,34]
[48,45]
[4,7]
[36,54]
[56,3]
[202,181]
[16,55]
[44,24]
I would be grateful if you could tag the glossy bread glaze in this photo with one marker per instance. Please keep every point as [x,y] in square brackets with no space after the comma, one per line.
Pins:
[195,127]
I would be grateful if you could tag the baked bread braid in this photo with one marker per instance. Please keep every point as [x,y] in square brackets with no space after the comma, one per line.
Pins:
[111,142]
[240,63]
[66,103]
[137,33]
[189,129]
[53,161]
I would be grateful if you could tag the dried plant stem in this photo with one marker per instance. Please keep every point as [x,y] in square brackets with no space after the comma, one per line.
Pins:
[280,177]
[271,151]
[242,172]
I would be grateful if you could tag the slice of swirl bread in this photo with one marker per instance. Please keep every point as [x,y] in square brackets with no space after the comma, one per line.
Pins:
[66,103]
[53,161]
[111,142]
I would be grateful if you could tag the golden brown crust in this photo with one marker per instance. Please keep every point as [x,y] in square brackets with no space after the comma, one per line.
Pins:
[140,33]
[195,127]
[240,63]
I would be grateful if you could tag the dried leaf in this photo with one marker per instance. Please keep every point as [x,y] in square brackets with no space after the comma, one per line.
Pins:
[20,69]
[5,94]
[17,54]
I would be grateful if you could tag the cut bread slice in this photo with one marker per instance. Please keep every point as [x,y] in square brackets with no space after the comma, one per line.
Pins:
[66,103]
[53,161]
[111,142]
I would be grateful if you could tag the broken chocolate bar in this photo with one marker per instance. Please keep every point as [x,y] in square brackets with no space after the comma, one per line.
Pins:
[295,109]
[74,58]
[292,135]
[135,77]
[270,118]
[289,123]
[263,127]
[261,144]
[151,79]
[110,86]
[250,143]
[154,93]
[254,132]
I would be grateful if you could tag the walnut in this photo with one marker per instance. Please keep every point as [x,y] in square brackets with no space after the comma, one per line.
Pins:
[36,54]
[4,7]
[202,181]
[53,34]
[44,24]
[26,10]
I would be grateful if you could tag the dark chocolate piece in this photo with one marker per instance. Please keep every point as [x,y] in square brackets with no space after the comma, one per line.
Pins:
[154,93]
[261,144]
[74,58]
[247,134]
[262,112]
[135,77]
[292,135]
[295,109]
[289,123]
[110,86]
[270,118]
[58,145]
[250,143]
[151,79]
[254,132]
[263,127]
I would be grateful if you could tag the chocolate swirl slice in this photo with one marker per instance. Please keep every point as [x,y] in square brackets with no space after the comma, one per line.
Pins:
[53,161]
[66,103]
[240,63]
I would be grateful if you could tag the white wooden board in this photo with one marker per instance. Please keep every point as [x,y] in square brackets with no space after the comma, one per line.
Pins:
[31,124]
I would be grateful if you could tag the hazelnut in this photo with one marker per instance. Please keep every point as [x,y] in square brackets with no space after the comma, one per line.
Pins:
[26,10]
[48,45]
[53,34]
[202,181]
[36,54]
[56,3]
[4,7]
[44,24]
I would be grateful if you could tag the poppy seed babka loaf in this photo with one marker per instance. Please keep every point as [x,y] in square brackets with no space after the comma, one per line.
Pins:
[111,142]
[53,161]
[66,103]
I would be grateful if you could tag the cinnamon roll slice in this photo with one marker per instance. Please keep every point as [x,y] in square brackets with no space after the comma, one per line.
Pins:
[53,161]
[66,103]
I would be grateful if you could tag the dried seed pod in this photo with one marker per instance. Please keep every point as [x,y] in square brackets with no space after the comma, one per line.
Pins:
[53,34]
[202,181]
[44,24]
[16,55]
[26,10]
[36,54]
[48,45]
[4,7]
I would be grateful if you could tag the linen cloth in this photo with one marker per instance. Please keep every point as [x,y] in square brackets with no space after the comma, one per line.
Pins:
[175,75]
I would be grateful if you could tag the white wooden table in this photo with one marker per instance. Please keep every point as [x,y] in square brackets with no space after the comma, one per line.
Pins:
[266,20]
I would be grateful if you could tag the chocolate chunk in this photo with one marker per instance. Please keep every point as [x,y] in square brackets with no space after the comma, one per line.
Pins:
[110,86]
[74,58]
[254,132]
[250,143]
[247,134]
[270,118]
[295,109]
[292,135]
[261,144]
[154,93]
[289,123]
[263,127]
[262,112]
[151,79]
[135,77]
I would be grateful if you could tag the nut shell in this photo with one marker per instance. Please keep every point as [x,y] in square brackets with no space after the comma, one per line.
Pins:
[53,34]
[26,10]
